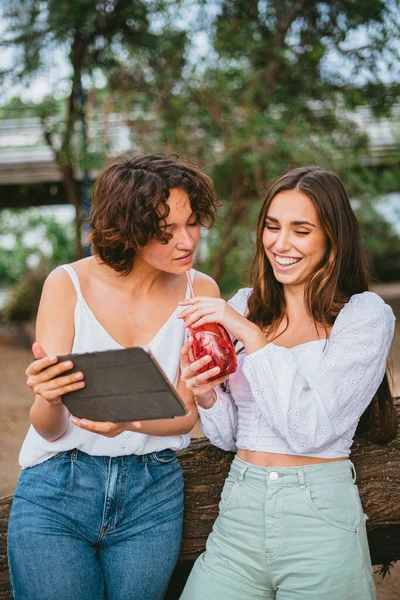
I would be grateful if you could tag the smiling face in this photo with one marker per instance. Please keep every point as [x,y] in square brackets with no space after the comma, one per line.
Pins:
[177,255]
[294,240]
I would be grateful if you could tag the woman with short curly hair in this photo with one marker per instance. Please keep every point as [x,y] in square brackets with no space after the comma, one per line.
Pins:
[98,508]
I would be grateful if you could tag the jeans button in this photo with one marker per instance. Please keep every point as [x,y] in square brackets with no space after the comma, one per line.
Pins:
[273,475]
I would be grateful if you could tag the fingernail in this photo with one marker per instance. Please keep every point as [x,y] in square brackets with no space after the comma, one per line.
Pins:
[84,422]
[207,358]
[52,357]
[68,364]
[78,375]
[74,420]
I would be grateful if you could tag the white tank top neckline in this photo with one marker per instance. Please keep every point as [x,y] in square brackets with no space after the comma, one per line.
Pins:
[90,314]
[91,336]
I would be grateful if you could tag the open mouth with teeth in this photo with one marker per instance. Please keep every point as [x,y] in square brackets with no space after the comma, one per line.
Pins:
[286,261]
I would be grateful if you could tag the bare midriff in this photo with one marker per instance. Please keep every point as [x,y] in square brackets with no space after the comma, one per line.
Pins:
[268,459]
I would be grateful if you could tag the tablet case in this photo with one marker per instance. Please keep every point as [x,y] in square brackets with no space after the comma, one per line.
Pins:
[122,385]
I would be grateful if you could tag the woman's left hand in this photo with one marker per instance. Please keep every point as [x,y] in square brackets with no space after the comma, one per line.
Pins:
[106,428]
[201,310]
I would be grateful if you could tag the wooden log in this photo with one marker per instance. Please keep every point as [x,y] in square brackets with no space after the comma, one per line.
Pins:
[205,468]
[5,505]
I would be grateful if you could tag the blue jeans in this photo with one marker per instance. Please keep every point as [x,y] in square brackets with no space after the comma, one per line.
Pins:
[93,527]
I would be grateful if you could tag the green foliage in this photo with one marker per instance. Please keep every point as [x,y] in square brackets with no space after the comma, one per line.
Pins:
[272,99]
[23,303]
[29,239]
[102,40]
[381,242]
[272,91]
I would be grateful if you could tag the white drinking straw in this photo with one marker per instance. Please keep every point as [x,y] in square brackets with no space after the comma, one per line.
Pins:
[189,279]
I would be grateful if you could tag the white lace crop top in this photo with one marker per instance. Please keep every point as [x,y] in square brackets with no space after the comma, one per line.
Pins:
[305,400]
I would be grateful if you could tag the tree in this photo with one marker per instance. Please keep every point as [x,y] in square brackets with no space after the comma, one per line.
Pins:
[31,244]
[271,97]
[96,35]
[272,90]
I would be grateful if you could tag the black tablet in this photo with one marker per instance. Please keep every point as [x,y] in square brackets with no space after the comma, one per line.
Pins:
[122,385]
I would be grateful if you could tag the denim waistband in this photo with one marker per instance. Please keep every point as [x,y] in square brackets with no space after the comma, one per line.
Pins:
[283,476]
[75,454]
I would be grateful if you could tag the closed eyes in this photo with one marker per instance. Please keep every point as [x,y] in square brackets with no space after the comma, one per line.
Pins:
[270,228]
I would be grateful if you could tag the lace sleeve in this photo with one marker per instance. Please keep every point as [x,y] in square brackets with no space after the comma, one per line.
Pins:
[310,413]
[240,299]
[219,423]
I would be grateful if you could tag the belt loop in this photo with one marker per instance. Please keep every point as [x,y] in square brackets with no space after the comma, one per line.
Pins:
[74,453]
[242,474]
[301,478]
[353,472]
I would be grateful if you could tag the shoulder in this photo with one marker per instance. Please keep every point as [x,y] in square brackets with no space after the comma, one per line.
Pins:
[58,281]
[368,304]
[240,300]
[366,310]
[58,294]
[55,318]
[204,285]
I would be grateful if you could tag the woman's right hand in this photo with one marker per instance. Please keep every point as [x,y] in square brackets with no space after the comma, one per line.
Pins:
[198,383]
[45,376]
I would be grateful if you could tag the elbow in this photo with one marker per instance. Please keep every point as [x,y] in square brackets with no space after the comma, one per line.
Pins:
[53,438]
[187,424]
[49,436]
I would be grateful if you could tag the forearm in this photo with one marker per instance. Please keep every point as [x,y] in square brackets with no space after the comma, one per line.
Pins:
[49,420]
[252,337]
[164,427]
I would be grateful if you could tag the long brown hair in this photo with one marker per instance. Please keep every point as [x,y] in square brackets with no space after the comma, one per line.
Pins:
[342,273]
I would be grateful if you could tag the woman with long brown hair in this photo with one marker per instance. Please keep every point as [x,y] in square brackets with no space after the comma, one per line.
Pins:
[312,350]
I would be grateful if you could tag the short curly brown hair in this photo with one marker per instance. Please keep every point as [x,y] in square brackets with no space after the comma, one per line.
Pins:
[129,204]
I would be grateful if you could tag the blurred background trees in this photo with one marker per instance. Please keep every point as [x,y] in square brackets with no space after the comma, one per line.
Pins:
[247,89]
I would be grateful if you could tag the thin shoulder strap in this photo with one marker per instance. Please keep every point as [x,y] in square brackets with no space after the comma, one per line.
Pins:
[192,274]
[74,278]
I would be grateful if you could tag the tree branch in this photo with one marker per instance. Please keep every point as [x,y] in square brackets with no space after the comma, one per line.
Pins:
[284,22]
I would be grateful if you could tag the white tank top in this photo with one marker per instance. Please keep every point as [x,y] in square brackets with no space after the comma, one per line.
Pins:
[90,336]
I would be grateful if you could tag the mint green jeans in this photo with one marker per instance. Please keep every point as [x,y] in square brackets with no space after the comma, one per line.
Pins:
[295,533]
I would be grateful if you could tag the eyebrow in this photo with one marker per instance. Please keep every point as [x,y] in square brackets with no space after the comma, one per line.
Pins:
[292,222]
